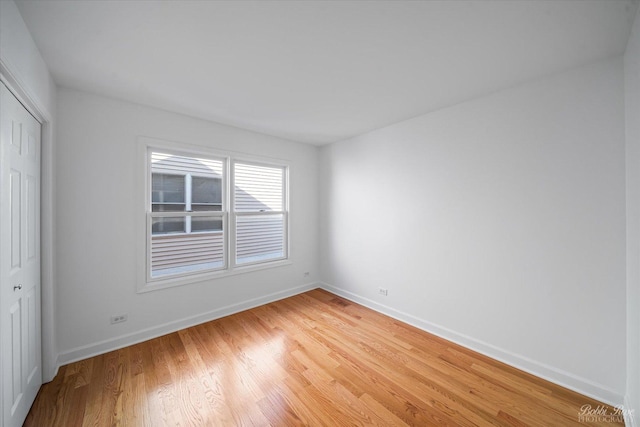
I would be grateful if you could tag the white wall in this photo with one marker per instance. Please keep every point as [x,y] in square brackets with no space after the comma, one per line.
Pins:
[98,170]
[632,104]
[26,74]
[498,223]
[18,50]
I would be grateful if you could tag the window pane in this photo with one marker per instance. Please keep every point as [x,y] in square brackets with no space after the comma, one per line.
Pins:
[186,253]
[201,207]
[206,223]
[258,188]
[206,190]
[259,238]
[166,225]
[171,164]
[172,174]
[167,207]
[167,188]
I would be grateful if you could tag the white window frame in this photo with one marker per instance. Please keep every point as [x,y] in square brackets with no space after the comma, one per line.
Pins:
[146,282]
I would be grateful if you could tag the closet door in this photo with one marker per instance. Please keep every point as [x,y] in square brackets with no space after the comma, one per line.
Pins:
[20,344]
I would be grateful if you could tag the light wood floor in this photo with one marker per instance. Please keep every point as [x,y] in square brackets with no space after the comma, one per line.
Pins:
[313,359]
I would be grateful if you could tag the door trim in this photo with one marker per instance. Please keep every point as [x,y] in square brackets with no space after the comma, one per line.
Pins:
[10,76]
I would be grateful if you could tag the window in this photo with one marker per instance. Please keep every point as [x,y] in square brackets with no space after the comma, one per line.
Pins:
[196,226]
[186,215]
[259,211]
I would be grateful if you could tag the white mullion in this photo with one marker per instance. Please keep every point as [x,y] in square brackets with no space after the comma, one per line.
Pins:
[259,213]
[232,214]
[182,214]
[285,211]
[187,202]
[149,207]
[285,196]
[226,236]
[147,223]
[285,234]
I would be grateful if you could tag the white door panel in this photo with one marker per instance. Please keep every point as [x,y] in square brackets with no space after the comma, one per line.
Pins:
[15,183]
[20,342]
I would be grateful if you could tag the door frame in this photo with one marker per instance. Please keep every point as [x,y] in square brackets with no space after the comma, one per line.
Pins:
[16,85]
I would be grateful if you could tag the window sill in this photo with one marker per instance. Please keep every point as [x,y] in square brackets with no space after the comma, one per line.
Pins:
[155,285]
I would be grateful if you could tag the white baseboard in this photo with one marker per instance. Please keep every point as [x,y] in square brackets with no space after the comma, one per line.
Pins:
[549,373]
[94,349]
[49,373]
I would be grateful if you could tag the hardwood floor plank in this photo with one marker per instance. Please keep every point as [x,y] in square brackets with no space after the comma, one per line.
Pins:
[153,405]
[382,412]
[277,409]
[78,398]
[207,377]
[93,405]
[241,389]
[314,359]
[165,387]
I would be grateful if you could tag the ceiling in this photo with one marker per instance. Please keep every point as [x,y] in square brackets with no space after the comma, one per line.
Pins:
[317,71]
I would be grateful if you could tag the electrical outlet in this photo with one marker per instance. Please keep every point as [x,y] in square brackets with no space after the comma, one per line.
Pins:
[119,318]
[382,291]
